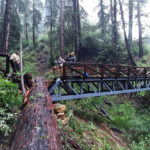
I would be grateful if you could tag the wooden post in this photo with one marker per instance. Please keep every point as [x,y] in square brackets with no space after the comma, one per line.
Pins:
[37,128]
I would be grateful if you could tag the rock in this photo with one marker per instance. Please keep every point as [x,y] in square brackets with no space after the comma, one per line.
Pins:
[65,121]
[61,116]
[60,108]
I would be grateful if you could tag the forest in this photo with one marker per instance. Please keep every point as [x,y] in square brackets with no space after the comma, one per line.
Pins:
[113,32]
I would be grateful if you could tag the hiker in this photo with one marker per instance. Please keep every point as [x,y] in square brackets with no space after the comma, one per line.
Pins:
[60,61]
[73,57]
[15,58]
[58,66]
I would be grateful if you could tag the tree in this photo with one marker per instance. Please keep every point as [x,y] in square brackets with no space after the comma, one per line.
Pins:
[2,7]
[51,18]
[75,27]
[115,33]
[140,28]
[36,18]
[130,21]
[24,10]
[102,21]
[79,26]
[15,29]
[109,28]
[6,26]
[33,23]
[62,28]
[26,13]
[125,35]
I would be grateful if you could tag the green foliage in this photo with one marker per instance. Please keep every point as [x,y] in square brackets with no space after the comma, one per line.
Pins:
[10,101]
[85,133]
[10,96]
[29,62]
[122,114]
[15,30]
[6,121]
[134,122]
[37,17]
[76,126]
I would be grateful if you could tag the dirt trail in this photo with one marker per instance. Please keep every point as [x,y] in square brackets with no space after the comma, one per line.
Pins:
[42,63]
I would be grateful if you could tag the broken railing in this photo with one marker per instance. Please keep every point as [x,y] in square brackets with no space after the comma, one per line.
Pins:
[87,70]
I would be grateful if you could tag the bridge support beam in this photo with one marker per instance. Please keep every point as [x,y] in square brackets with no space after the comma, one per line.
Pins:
[94,87]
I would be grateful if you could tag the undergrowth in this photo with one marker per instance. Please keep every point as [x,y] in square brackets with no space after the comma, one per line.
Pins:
[10,101]
[85,135]
[132,121]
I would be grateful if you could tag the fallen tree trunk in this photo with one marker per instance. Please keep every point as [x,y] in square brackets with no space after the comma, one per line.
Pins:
[37,128]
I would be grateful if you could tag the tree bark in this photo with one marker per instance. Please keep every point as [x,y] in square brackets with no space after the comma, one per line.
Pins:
[37,128]
[26,29]
[75,24]
[130,21]
[140,28]
[79,26]
[102,24]
[33,24]
[62,28]
[6,27]
[111,11]
[2,7]
[51,32]
[125,35]
[115,34]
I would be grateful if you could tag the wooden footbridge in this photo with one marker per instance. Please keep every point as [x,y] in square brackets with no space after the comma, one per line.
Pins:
[83,80]
[37,128]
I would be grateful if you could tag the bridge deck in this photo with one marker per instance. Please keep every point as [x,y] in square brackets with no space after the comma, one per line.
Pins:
[82,80]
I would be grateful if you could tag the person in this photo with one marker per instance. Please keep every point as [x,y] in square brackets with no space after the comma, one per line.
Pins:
[15,58]
[60,61]
[73,57]
[59,65]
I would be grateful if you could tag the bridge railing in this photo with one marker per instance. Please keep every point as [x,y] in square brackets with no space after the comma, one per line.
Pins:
[86,70]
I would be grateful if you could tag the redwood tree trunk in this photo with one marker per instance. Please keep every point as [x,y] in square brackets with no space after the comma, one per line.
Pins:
[115,35]
[111,11]
[51,34]
[140,29]
[62,28]
[37,128]
[6,27]
[26,29]
[75,24]
[2,6]
[33,25]
[125,35]
[79,26]
[102,24]
[130,20]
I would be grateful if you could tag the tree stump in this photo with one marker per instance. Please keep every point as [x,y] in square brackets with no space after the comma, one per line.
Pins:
[37,128]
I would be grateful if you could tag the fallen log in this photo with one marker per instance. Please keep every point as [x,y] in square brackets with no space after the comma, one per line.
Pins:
[37,128]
